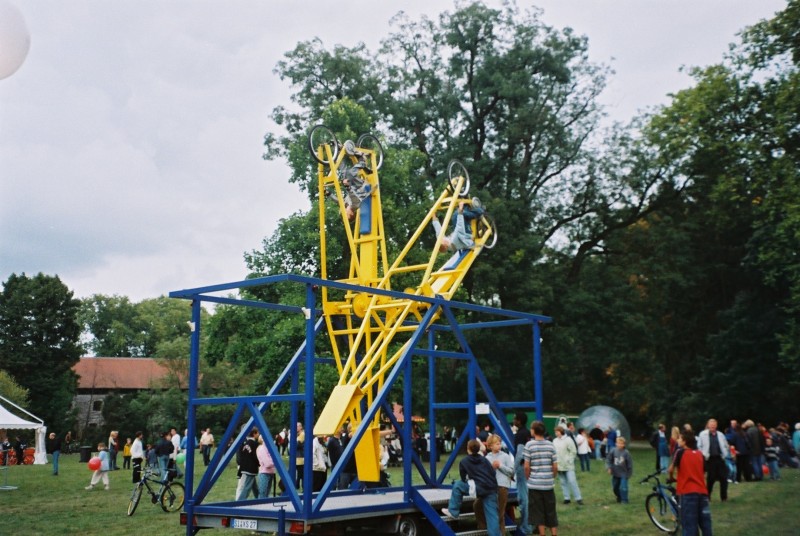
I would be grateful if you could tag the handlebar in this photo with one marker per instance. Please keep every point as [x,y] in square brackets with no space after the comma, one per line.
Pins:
[655,476]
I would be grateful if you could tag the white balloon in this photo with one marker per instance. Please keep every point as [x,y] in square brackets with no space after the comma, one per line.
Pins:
[15,40]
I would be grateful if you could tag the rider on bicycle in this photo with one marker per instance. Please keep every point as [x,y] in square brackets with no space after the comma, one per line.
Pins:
[461,237]
[354,180]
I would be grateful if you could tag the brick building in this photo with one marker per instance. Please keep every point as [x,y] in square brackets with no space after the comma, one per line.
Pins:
[98,377]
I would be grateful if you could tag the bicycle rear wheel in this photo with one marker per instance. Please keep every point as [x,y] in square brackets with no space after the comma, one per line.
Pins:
[661,514]
[455,170]
[321,135]
[135,496]
[368,141]
[172,497]
[486,224]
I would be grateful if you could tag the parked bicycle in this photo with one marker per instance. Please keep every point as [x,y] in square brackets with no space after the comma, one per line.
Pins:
[662,505]
[169,495]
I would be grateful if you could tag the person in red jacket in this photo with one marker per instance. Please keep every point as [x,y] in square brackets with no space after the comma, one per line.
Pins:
[692,491]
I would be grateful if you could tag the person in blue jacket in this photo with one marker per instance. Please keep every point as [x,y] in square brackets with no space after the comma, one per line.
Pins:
[476,467]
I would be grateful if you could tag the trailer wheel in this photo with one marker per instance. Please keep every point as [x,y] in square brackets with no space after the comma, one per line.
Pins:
[408,526]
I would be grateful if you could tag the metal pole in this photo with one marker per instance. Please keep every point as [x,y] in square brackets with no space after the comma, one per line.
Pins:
[308,417]
[431,405]
[537,372]
[194,371]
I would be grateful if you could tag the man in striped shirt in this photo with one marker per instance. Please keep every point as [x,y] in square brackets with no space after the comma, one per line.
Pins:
[541,469]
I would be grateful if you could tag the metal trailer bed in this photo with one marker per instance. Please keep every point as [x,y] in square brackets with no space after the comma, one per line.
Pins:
[381,509]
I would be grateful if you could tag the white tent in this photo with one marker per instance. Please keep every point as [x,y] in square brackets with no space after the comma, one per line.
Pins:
[9,421]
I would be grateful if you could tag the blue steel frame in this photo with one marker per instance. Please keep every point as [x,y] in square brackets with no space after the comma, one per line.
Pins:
[308,507]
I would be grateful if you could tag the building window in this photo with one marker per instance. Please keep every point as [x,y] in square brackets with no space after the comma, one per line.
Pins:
[97,405]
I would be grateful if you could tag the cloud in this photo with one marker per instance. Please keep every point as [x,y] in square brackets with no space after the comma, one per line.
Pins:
[130,140]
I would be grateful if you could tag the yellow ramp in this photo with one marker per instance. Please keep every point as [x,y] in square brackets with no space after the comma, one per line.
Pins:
[368,455]
[343,401]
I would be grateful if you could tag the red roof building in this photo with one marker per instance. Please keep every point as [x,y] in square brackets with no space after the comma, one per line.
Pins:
[119,373]
[98,377]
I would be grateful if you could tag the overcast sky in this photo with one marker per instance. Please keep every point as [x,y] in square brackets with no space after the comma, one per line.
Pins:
[130,139]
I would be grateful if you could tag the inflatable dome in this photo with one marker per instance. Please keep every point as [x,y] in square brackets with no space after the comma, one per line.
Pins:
[606,417]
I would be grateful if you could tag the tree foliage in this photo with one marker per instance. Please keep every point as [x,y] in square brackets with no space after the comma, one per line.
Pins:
[13,391]
[664,249]
[115,327]
[703,280]
[39,335]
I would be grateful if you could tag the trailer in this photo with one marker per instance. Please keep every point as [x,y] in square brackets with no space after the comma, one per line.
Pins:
[406,509]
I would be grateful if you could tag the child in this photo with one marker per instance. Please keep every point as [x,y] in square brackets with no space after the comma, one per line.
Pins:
[730,460]
[101,473]
[620,466]
[541,467]
[477,468]
[150,456]
[126,454]
[692,490]
[503,464]
[266,469]
[771,453]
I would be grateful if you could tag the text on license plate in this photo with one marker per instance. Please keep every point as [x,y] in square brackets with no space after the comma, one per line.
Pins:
[250,524]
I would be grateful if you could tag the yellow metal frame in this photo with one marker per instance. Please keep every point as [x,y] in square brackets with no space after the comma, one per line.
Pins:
[372,322]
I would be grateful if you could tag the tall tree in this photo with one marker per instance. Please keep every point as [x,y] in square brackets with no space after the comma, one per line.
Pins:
[39,335]
[512,97]
[663,248]
[13,391]
[112,326]
[714,267]
[115,327]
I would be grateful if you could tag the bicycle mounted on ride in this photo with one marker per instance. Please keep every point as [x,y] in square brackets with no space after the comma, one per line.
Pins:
[354,162]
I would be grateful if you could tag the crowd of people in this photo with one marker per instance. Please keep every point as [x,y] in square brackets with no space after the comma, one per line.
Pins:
[12,451]
[162,456]
[744,452]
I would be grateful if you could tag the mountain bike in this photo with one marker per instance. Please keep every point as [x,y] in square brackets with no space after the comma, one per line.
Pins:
[662,506]
[169,495]
[326,149]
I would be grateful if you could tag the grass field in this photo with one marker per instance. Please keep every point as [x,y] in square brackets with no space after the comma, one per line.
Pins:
[45,504]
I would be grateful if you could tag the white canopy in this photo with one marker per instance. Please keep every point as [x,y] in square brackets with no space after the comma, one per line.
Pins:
[9,421]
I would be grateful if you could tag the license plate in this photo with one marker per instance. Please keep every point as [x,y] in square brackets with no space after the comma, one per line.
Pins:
[250,524]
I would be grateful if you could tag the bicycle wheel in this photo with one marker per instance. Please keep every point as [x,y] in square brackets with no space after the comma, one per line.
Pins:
[368,141]
[486,224]
[135,496]
[172,497]
[322,135]
[660,513]
[455,170]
